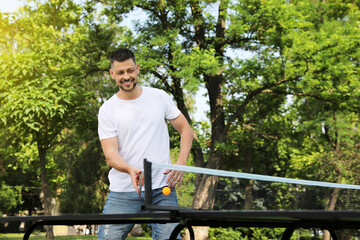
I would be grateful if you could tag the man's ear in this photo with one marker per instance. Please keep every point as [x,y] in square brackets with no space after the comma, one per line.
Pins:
[111,73]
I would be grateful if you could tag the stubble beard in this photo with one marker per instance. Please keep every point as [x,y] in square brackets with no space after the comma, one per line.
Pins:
[129,89]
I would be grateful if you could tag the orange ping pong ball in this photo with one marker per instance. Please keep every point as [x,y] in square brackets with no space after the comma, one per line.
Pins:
[166,190]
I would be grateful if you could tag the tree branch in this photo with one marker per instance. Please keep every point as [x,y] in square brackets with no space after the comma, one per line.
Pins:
[247,100]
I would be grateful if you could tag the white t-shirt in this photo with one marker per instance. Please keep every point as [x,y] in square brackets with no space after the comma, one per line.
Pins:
[142,132]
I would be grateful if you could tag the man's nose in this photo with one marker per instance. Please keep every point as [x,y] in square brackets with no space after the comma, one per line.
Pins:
[126,76]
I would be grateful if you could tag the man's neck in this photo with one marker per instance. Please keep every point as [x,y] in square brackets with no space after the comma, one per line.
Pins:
[134,94]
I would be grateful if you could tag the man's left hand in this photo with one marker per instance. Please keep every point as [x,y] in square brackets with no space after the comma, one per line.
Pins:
[175,177]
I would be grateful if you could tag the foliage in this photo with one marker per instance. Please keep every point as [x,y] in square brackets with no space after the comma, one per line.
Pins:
[84,167]
[222,234]
[245,233]
[282,82]
[9,197]
[43,92]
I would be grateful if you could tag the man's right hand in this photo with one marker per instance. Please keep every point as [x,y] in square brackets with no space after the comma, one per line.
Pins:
[114,160]
[135,177]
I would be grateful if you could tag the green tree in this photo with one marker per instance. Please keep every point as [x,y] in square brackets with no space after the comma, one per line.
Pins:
[85,184]
[86,174]
[250,56]
[40,91]
[298,47]
[62,69]
[9,197]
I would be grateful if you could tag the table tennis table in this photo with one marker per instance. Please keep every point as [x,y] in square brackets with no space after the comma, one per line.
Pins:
[188,218]
[290,220]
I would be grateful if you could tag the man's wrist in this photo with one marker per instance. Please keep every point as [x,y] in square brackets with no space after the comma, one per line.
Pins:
[181,162]
[128,168]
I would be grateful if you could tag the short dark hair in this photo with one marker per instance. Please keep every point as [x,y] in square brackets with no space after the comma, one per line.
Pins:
[120,55]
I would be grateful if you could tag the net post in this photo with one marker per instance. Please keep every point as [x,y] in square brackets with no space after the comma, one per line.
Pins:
[148,184]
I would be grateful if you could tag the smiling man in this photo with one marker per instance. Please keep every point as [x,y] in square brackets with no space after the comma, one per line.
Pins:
[125,74]
[133,126]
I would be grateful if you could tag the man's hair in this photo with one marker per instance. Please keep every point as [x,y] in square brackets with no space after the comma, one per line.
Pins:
[120,55]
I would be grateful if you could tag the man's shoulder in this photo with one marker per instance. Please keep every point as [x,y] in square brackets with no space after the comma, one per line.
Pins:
[109,102]
[153,90]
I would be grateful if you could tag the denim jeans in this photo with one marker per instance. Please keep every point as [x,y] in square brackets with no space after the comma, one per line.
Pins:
[129,202]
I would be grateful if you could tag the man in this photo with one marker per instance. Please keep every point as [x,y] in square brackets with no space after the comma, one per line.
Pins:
[132,126]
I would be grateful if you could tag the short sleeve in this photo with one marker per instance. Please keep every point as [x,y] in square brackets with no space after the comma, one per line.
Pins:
[106,127]
[172,111]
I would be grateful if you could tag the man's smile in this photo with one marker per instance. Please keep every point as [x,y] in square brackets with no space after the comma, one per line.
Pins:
[127,82]
[127,85]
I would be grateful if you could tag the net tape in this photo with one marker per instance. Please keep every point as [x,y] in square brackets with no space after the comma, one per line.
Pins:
[223,173]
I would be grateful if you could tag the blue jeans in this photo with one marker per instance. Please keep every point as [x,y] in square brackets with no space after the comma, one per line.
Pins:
[129,202]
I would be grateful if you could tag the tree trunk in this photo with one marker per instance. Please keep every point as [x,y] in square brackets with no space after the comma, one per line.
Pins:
[248,166]
[331,206]
[45,189]
[204,198]
[205,193]
[248,196]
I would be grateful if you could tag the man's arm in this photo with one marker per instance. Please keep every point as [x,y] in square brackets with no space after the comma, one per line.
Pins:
[114,160]
[186,137]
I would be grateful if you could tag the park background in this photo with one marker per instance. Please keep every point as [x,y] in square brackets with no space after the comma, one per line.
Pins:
[278,82]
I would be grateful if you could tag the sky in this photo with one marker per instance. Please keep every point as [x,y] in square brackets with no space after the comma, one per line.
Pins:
[7,6]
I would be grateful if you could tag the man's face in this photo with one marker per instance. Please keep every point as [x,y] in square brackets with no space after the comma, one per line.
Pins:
[125,74]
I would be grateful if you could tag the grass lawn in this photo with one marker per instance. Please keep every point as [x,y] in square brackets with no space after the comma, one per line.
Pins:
[17,236]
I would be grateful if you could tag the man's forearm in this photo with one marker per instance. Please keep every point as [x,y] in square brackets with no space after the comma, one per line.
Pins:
[115,161]
[185,146]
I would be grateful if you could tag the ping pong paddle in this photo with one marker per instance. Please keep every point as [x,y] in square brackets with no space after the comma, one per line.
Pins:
[141,175]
